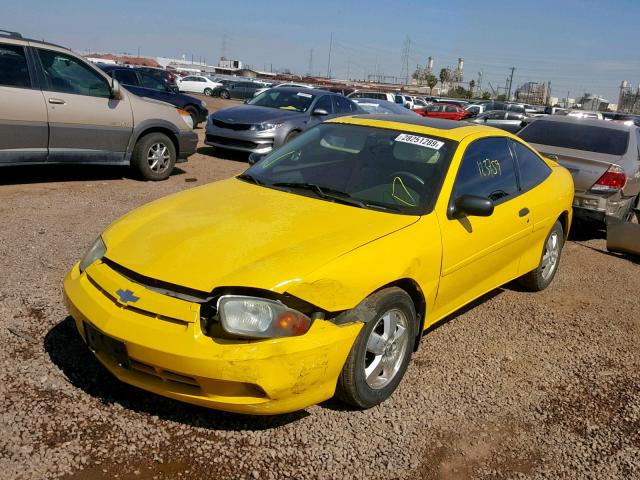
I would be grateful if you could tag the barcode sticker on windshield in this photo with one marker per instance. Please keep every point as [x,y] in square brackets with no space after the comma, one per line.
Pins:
[421,141]
[305,95]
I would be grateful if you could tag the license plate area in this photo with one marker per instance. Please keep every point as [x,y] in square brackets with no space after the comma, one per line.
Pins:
[103,344]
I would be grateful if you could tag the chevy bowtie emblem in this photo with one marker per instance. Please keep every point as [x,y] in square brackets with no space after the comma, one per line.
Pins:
[127,296]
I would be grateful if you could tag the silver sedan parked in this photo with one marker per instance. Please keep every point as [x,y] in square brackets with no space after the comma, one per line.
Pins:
[505,120]
[603,157]
[273,118]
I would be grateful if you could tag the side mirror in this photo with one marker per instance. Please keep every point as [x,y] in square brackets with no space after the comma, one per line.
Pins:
[320,111]
[471,205]
[172,88]
[116,92]
[255,158]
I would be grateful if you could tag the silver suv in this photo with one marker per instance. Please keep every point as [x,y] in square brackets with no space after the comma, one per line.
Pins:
[59,108]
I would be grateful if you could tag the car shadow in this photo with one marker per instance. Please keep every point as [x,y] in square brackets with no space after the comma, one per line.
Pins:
[69,353]
[225,154]
[32,174]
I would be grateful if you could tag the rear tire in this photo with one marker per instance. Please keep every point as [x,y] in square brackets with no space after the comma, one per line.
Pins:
[381,353]
[224,94]
[208,92]
[154,157]
[543,275]
[633,216]
[191,110]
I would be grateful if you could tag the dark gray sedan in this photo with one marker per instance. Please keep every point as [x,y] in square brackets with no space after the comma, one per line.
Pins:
[273,118]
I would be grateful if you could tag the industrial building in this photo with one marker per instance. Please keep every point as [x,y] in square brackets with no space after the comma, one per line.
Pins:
[629,99]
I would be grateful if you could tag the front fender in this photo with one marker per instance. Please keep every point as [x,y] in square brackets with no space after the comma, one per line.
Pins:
[413,252]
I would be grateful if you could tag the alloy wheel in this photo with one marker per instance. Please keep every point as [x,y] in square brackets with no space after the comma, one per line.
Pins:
[551,255]
[386,349]
[158,157]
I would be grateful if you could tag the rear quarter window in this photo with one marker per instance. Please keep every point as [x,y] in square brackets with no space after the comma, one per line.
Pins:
[588,138]
[531,168]
[13,67]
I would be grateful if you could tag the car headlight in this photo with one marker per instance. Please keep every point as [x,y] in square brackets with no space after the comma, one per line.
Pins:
[186,117]
[260,318]
[267,126]
[96,252]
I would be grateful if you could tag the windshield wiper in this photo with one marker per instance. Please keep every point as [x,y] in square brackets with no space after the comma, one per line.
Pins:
[249,178]
[329,193]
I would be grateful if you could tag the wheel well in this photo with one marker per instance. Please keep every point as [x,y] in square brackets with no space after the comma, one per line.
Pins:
[413,289]
[165,131]
[564,220]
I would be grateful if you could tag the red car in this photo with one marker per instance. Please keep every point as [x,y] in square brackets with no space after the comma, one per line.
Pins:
[445,110]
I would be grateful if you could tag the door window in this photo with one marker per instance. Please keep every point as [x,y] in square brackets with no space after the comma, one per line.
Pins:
[67,74]
[450,108]
[14,71]
[514,116]
[126,76]
[188,79]
[487,170]
[324,103]
[496,115]
[149,81]
[531,167]
[344,105]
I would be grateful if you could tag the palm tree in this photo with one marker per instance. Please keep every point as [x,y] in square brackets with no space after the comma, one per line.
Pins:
[432,81]
[444,76]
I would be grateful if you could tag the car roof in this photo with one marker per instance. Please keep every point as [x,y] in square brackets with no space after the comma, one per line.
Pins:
[16,37]
[422,125]
[314,91]
[594,122]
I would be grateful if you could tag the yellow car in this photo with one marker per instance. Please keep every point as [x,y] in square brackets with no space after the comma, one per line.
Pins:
[315,272]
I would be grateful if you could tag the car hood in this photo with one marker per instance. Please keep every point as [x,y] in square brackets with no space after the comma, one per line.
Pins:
[253,114]
[232,233]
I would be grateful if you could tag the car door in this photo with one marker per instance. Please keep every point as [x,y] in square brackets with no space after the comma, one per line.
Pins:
[24,132]
[129,79]
[482,253]
[189,84]
[434,111]
[323,102]
[85,123]
[496,118]
[236,90]
[451,112]
[153,87]
[513,122]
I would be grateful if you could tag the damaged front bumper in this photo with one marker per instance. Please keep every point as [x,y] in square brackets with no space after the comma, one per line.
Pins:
[158,345]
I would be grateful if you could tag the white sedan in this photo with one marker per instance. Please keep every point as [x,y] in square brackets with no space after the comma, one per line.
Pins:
[197,84]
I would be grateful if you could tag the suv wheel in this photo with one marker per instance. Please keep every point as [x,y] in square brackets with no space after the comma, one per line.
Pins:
[225,94]
[154,156]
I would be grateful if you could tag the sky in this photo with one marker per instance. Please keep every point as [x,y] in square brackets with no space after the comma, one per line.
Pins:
[578,45]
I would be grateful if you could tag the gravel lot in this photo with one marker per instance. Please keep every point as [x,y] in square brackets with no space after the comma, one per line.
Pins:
[519,385]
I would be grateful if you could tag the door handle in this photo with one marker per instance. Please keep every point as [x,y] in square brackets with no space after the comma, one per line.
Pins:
[524,212]
[57,101]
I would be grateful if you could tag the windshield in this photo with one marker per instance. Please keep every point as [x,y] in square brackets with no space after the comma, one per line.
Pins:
[284,100]
[362,166]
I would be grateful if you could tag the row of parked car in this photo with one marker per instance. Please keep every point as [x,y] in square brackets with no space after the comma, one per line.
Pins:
[59,108]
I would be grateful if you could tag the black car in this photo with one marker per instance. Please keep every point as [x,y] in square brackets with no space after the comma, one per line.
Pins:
[143,84]
[237,89]
[161,74]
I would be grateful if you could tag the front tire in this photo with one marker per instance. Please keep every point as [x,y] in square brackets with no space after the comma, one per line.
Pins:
[193,113]
[225,95]
[291,135]
[154,157]
[543,275]
[382,351]
[208,92]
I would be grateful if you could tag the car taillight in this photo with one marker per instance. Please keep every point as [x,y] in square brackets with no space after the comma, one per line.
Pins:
[611,181]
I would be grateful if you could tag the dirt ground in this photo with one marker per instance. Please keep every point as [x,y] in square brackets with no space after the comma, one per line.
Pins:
[517,385]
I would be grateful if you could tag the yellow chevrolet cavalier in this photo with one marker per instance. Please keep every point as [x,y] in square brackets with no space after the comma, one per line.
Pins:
[315,272]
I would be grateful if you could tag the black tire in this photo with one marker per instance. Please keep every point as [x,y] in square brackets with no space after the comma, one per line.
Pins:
[208,92]
[291,135]
[191,110]
[540,278]
[633,215]
[142,158]
[353,387]
[224,94]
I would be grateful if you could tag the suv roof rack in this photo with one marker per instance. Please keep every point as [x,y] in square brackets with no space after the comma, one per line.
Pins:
[8,33]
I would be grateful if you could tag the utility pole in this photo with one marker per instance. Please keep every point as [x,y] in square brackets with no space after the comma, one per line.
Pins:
[224,46]
[513,69]
[566,100]
[329,61]
[406,47]
[310,69]
[480,74]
